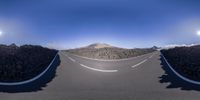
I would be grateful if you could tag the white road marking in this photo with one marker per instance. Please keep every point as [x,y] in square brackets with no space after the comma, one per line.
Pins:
[90,67]
[71,59]
[98,69]
[151,56]
[139,63]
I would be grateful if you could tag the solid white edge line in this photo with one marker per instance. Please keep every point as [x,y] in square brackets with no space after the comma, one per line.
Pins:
[30,80]
[98,69]
[180,76]
[139,63]
[69,57]
[151,56]
[112,60]
[72,59]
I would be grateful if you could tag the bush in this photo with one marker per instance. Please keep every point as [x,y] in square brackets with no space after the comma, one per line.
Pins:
[185,60]
[24,62]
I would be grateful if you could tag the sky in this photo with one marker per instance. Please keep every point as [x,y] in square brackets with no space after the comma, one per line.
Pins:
[64,24]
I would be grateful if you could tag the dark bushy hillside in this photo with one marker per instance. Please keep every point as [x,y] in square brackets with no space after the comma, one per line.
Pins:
[24,62]
[110,53]
[185,60]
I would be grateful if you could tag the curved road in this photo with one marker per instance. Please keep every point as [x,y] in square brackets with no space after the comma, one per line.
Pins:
[142,78]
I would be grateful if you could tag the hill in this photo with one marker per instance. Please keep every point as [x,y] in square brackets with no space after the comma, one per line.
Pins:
[106,51]
[99,45]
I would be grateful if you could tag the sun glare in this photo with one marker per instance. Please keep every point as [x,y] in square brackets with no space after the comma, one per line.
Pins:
[198,33]
[1,33]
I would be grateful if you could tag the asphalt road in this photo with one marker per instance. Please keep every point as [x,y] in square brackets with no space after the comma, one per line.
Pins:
[142,78]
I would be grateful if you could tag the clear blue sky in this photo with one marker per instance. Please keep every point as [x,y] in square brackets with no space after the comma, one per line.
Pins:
[124,23]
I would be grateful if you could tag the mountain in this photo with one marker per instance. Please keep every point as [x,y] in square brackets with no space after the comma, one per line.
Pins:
[105,51]
[99,45]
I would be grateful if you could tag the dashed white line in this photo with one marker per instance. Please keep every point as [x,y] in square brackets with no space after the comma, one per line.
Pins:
[139,63]
[71,59]
[90,67]
[98,69]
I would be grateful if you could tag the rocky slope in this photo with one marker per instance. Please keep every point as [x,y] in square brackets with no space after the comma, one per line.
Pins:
[105,51]
[185,60]
[24,62]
